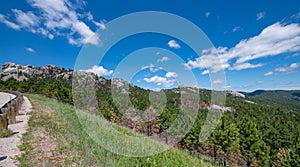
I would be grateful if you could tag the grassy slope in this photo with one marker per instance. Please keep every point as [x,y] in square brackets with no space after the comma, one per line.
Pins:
[73,147]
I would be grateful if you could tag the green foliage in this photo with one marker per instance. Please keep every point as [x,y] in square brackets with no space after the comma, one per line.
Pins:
[264,131]
[292,158]
[295,156]
[253,148]
[106,113]
[225,138]
[288,99]
[57,89]
[81,149]
[5,132]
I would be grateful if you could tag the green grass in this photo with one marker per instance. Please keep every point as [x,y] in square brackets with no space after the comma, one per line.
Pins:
[5,133]
[78,148]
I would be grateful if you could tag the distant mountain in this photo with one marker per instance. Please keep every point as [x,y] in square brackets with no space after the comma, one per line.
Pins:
[289,99]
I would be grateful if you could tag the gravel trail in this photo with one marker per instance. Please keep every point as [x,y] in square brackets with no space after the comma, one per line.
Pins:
[8,146]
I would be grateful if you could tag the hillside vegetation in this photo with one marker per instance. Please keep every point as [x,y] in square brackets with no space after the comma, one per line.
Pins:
[289,99]
[250,133]
[56,138]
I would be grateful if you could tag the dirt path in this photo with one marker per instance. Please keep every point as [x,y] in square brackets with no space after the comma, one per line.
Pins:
[8,146]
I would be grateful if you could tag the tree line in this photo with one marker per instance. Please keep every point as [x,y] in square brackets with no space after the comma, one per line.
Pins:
[251,135]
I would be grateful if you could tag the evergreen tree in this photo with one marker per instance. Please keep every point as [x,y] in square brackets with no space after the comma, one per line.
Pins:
[225,139]
[295,156]
[253,148]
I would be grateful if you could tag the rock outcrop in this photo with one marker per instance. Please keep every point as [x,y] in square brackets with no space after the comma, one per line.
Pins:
[21,73]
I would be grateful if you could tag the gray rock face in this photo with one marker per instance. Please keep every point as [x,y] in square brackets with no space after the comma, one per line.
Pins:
[235,94]
[21,73]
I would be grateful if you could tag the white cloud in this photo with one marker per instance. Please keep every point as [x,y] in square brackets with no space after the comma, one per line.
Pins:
[207,14]
[282,69]
[294,65]
[52,18]
[260,15]
[25,19]
[87,35]
[290,68]
[245,66]
[160,81]
[268,73]
[152,68]
[171,75]
[226,87]
[30,50]
[89,16]
[101,24]
[163,59]
[8,23]
[100,71]
[218,81]
[173,44]
[209,60]
[205,72]
[50,36]
[236,28]
[274,40]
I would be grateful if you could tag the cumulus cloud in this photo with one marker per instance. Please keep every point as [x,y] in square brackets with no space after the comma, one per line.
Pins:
[260,15]
[152,68]
[52,18]
[26,19]
[171,75]
[209,60]
[174,44]
[268,73]
[294,65]
[160,81]
[274,40]
[30,50]
[100,24]
[290,68]
[218,81]
[8,23]
[245,66]
[163,59]
[205,72]
[100,71]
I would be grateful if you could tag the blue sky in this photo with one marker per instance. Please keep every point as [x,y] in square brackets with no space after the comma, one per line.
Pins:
[257,42]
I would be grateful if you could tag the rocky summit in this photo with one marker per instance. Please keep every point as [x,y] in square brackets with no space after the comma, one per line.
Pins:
[21,73]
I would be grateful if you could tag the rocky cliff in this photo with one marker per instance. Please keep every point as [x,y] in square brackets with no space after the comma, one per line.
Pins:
[21,73]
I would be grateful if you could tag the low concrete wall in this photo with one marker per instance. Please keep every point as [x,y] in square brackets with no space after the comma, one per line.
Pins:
[10,110]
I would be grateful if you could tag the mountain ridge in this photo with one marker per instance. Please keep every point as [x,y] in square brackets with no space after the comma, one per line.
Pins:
[25,72]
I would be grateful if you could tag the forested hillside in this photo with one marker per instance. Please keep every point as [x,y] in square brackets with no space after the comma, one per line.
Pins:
[289,99]
[249,133]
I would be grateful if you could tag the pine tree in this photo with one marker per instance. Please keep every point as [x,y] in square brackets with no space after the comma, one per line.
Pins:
[225,139]
[253,148]
[295,156]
